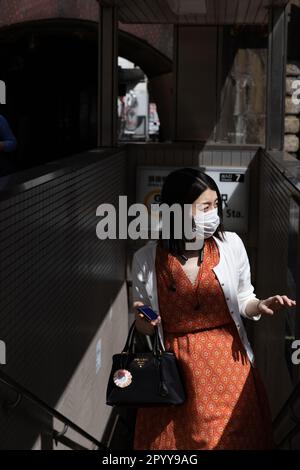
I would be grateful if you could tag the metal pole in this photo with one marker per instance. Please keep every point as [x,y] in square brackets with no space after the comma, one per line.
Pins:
[276,72]
[107,76]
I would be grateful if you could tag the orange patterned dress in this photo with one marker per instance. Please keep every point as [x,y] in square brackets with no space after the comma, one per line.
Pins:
[227,406]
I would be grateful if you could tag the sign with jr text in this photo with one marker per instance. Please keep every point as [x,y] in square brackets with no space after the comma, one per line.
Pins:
[231,181]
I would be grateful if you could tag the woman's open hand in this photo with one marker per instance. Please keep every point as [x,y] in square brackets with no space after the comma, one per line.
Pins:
[272,304]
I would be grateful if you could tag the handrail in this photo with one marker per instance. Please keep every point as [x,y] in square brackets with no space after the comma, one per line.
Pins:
[289,436]
[288,407]
[22,391]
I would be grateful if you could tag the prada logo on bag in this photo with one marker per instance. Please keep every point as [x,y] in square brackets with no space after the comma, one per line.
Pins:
[141,361]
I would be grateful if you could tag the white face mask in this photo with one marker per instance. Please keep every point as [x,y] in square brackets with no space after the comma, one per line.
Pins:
[207,223]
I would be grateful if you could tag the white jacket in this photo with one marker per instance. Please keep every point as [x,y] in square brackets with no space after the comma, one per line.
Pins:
[233,273]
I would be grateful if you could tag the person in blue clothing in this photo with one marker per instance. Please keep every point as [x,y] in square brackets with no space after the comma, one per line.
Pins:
[8,143]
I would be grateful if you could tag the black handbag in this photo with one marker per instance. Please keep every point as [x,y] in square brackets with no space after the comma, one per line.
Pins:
[145,379]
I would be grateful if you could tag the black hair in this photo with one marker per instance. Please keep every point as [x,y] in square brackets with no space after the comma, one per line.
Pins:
[181,187]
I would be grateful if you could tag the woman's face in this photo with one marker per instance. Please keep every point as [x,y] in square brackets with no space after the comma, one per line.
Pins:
[207,201]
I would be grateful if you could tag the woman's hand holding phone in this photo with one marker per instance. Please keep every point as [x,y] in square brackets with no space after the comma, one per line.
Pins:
[143,325]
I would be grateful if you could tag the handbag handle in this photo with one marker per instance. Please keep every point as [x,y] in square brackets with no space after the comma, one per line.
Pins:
[158,346]
[130,337]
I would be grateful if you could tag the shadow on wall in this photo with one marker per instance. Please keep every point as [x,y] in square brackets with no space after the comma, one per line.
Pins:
[58,283]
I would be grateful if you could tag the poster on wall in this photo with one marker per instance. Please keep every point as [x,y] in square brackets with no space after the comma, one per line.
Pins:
[231,181]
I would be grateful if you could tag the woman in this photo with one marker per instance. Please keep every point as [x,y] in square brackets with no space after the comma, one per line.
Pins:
[200,301]
[8,144]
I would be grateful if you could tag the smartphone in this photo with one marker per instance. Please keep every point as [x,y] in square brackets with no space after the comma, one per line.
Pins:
[148,313]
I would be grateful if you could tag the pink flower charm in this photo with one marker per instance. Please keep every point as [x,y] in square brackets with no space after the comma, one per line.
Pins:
[122,378]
